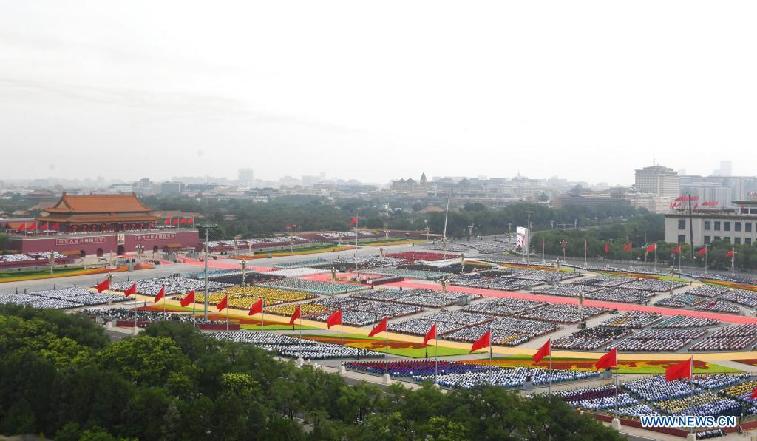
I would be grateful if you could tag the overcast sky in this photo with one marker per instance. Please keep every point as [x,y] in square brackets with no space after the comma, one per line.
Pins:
[376,90]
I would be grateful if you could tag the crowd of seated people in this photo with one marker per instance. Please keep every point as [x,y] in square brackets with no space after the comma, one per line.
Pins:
[634,320]
[728,338]
[658,339]
[313,286]
[172,285]
[293,347]
[508,377]
[690,301]
[588,339]
[63,298]
[740,296]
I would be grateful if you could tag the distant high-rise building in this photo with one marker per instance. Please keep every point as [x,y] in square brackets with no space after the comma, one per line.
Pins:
[726,168]
[246,176]
[658,180]
[171,187]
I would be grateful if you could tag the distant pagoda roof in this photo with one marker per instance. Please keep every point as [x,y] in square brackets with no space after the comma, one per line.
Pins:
[98,203]
[98,208]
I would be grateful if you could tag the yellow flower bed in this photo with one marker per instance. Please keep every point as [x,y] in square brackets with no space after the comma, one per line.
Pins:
[306,308]
[243,297]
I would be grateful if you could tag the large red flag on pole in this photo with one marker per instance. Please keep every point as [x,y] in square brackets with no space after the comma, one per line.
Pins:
[188,299]
[334,319]
[295,315]
[730,253]
[131,290]
[483,342]
[651,248]
[544,350]
[223,304]
[160,294]
[702,251]
[609,360]
[256,307]
[627,247]
[380,327]
[104,285]
[754,393]
[607,247]
[680,370]
[430,334]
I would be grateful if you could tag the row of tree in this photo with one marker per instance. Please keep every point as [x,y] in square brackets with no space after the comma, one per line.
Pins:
[615,243]
[305,213]
[62,378]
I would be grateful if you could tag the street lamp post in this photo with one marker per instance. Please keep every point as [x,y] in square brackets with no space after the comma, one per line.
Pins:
[244,265]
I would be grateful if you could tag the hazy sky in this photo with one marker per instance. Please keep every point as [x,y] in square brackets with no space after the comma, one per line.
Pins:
[376,90]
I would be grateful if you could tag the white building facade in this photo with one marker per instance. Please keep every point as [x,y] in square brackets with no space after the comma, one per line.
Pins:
[737,226]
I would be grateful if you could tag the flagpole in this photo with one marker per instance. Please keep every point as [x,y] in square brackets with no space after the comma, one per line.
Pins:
[733,259]
[655,257]
[706,252]
[262,308]
[549,374]
[227,315]
[680,256]
[436,358]
[491,338]
[586,251]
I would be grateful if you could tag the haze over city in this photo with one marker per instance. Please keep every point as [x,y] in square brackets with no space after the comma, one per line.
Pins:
[586,91]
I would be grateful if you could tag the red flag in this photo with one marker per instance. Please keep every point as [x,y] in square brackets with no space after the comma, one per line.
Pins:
[295,315]
[702,251]
[430,334]
[543,351]
[730,253]
[131,290]
[651,248]
[483,342]
[334,319]
[609,360]
[680,370]
[627,247]
[676,249]
[353,221]
[104,285]
[188,299]
[161,294]
[607,247]
[754,393]
[167,221]
[223,303]
[256,307]
[175,221]
[380,327]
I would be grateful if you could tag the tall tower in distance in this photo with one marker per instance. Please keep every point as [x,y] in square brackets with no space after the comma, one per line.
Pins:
[725,169]
[246,176]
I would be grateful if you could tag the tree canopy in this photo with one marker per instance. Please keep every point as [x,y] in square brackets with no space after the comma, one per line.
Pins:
[61,377]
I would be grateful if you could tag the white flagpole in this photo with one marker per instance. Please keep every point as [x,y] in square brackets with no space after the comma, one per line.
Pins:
[436,358]
[549,375]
